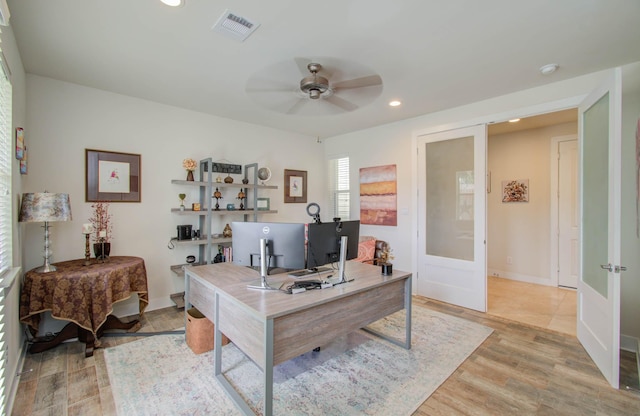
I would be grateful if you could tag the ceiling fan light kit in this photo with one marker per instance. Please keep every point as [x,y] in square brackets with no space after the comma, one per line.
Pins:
[314,85]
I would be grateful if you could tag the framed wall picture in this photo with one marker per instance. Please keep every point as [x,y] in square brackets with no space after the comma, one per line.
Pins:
[515,190]
[263,204]
[112,176]
[19,143]
[23,162]
[295,186]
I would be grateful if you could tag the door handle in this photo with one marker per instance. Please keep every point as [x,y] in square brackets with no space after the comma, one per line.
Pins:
[611,268]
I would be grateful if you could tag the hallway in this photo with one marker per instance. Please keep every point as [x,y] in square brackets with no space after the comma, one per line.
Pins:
[542,306]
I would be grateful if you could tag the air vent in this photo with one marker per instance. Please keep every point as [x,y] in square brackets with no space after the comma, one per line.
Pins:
[234,26]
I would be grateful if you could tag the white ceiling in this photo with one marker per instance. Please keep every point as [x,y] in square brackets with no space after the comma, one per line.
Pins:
[432,55]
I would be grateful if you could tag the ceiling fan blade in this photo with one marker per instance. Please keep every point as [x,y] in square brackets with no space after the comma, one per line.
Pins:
[269,85]
[267,89]
[297,106]
[368,81]
[342,103]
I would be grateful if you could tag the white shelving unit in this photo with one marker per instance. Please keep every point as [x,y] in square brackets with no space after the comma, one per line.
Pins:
[207,242]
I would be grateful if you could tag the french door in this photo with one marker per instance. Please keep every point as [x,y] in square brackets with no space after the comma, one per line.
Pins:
[600,193]
[452,217]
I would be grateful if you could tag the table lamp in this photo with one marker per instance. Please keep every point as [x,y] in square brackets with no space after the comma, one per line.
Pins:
[45,207]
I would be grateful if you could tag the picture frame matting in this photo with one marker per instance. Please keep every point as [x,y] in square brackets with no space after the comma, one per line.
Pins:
[112,176]
[295,186]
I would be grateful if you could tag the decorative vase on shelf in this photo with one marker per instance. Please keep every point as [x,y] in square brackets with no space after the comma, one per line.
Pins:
[228,179]
[190,175]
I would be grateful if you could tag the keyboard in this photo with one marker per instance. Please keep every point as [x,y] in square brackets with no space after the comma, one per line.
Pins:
[310,272]
[307,284]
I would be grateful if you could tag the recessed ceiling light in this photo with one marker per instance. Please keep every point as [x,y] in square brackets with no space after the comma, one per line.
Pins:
[549,69]
[394,103]
[173,3]
[514,120]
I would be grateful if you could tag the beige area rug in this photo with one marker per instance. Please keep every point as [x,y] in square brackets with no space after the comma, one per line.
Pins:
[354,375]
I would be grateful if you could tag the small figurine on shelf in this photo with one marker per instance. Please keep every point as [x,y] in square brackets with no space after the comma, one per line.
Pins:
[217,195]
[182,197]
[226,233]
[241,197]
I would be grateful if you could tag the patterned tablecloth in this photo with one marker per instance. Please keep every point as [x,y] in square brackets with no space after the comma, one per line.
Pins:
[82,294]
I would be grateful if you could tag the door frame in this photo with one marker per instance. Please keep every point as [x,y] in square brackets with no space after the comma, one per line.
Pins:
[554,249]
[516,112]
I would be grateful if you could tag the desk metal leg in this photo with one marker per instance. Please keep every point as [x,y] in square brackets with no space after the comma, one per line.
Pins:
[187,304]
[407,321]
[268,368]
[233,394]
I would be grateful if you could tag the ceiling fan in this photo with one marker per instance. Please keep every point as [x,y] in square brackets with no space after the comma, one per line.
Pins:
[336,86]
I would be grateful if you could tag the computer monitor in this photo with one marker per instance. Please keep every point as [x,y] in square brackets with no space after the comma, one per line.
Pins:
[323,242]
[284,244]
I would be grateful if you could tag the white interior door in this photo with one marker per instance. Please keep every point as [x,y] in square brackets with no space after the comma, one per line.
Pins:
[452,217]
[600,194]
[568,214]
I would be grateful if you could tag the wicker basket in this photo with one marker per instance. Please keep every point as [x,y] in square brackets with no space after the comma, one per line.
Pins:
[200,332]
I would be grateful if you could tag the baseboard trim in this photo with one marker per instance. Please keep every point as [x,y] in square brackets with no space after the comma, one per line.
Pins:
[520,277]
[14,374]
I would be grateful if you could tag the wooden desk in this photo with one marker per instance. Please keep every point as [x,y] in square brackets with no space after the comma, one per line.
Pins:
[271,327]
[83,295]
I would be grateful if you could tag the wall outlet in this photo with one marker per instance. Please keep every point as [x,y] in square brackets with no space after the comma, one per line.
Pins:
[509,260]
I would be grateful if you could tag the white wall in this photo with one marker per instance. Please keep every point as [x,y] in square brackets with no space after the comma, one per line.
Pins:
[65,119]
[521,230]
[394,143]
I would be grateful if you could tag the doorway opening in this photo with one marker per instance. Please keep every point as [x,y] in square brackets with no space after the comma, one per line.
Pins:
[524,253]
[527,283]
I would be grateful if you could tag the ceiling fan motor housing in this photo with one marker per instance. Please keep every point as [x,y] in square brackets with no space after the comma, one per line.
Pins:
[314,85]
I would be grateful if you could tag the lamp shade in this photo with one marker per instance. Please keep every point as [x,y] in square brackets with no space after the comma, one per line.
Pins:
[45,207]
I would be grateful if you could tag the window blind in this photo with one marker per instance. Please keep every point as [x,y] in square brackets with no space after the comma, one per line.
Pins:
[5,169]
[3,354]
[339,187]
[5,217]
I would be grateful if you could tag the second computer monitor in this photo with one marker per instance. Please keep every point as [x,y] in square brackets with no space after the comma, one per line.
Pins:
[323,242]
[285,244]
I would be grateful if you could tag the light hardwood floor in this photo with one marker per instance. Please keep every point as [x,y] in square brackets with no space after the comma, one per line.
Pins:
[519,369]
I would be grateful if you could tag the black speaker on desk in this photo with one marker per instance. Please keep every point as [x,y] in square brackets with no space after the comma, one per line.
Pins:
[184,232]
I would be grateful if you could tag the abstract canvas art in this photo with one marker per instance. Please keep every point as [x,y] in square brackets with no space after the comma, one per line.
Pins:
[515,190]
[378,195]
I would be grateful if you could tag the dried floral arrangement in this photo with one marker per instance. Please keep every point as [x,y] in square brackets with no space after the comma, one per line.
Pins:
[101,221]
[386,255]
[189,164]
